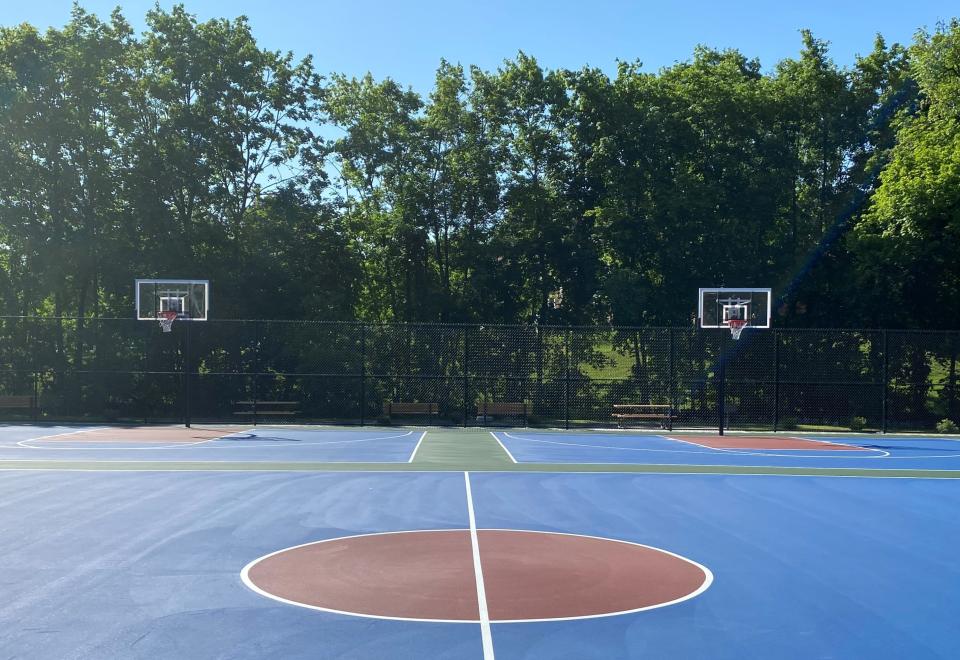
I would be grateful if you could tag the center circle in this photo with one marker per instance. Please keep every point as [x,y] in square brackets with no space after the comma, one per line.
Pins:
[430,575]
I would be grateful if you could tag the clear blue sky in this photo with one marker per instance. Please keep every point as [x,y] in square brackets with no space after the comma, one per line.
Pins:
[405,39]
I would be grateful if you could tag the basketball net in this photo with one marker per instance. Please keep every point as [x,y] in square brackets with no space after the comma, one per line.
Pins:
[166,318]
[736,327]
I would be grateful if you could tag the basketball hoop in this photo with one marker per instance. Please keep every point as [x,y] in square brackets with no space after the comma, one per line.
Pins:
[736,327]
[166,318]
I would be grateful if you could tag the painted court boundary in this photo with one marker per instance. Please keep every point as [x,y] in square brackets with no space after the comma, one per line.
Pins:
[720,450]
[207,444]
[879,454]
[483,611]
[522,468]
[417,448]
[503,446]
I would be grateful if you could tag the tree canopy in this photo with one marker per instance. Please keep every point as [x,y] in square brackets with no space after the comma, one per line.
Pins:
[518,195]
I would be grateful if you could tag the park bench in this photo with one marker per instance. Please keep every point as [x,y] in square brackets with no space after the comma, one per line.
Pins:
[488,409]
[661,412]
[391,408]
[255,408]
[19,402]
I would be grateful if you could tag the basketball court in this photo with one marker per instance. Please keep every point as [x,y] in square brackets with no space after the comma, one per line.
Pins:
[321,541]
[402,542]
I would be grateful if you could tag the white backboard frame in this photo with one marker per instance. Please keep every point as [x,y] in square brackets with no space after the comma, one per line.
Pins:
[744,292]
[147,311]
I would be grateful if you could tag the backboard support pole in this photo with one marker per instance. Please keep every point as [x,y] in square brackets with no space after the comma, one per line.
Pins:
[721,385]
[187,373]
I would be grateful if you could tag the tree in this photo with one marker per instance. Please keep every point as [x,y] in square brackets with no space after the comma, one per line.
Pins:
[524,107]
[907,248]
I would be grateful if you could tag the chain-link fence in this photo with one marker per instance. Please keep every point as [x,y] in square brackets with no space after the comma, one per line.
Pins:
[122,370]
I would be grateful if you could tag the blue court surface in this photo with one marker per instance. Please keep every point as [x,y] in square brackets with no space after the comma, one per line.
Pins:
[114,564]
[872,451]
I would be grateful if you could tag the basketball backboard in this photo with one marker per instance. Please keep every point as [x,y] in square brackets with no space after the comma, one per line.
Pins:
[190,299]
[718,306]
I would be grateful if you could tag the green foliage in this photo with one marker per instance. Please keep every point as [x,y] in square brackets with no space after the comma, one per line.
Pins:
[522,194]
[947,426]
[858,423]
[907,248]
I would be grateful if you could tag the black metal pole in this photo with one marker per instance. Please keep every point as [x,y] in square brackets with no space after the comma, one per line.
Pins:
[256,367]
[363,373]
[186,376]
[673,385]
[886,383]
[539,332]
[35,407]
[36,372]
[721,385]
[566,387]
[466,373]
[952,378]
[776,380]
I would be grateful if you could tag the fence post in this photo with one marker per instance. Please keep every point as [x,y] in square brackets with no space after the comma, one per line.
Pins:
[886,383]
[363,372]
[952,379]
[35,408]
[466,372]
[673,385]
[33,366]
[539,332]
[776,380]
[256,368]
[566,385]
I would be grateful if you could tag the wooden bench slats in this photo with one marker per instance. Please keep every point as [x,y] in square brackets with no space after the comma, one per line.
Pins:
[501,408]
[257,408]
[17,401]
[660,411]
[259,412]
[630,406]
[640,415]
[410,408]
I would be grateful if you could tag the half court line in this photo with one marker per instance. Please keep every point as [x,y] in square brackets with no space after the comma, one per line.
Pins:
[485,633]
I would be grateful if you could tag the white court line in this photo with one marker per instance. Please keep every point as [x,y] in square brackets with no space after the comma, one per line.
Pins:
[698,453]
[245,577]
[248,582]
[485,633]
[160,444]
[734,450]
[878,473]
[834,453]
[707,578]
[502,446]
[118,445]
[417,448]
[291,444]
[57,435]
